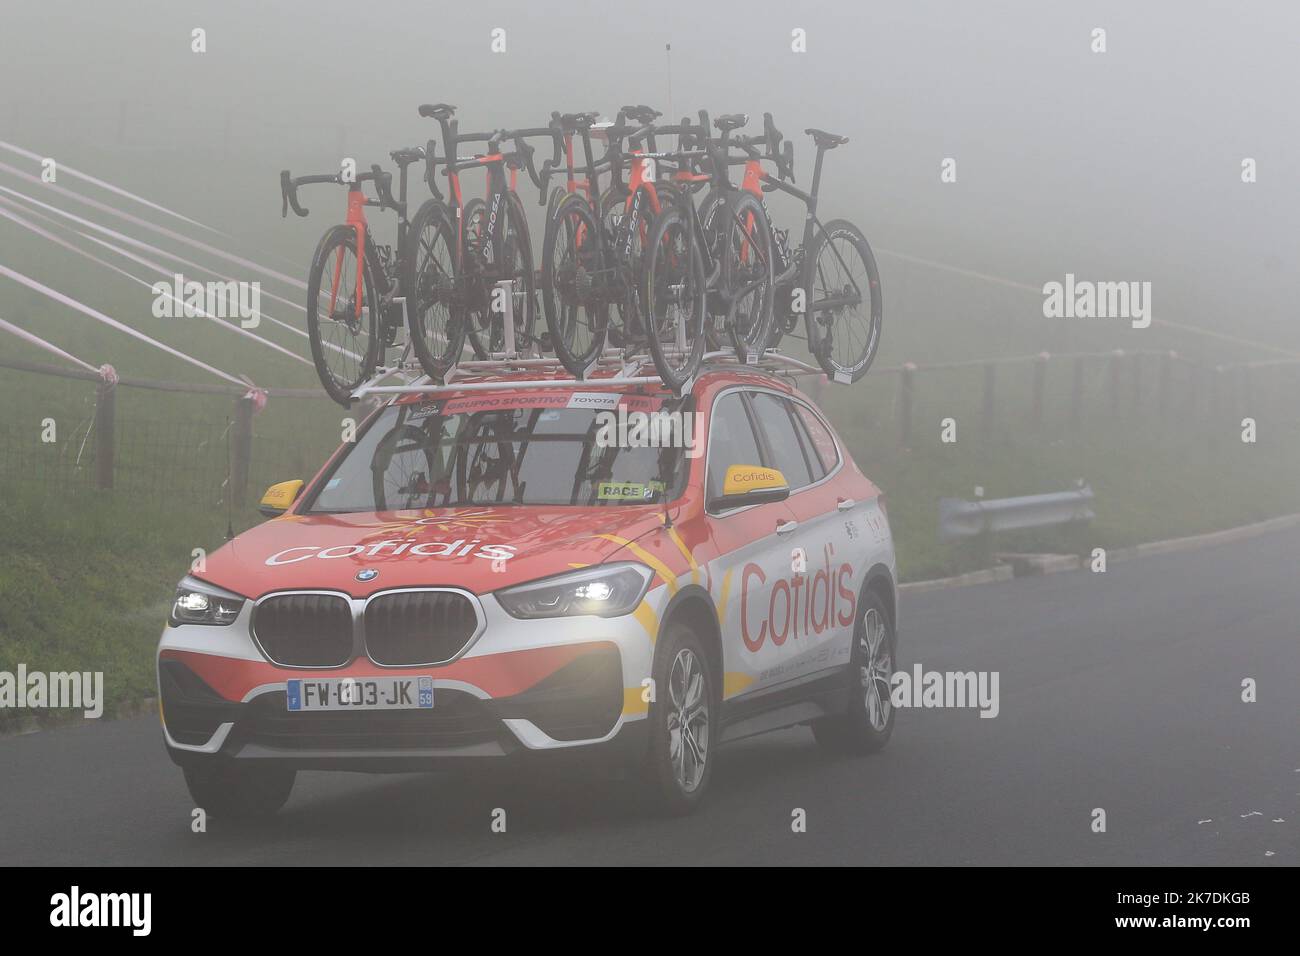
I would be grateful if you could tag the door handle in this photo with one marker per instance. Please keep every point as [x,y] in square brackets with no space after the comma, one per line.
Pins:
[844,504]
[785,527]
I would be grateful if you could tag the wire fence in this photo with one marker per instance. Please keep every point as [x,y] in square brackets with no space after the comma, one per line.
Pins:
[227,462]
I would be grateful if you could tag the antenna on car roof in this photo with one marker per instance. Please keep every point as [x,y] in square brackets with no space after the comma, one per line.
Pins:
[230,505]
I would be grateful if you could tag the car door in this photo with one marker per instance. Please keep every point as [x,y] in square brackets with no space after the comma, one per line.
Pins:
[822,552]
[753,563]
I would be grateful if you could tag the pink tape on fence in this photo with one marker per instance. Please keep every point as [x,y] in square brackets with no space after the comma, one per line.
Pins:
[112,322]
[108,265]
[109,186]
[48,346]
[139,244]
[146,224]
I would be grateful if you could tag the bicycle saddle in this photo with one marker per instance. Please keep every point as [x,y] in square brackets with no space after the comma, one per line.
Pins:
[731,121]
[641,114]
[825,140]
[577,120]
[407,155]
[438,111]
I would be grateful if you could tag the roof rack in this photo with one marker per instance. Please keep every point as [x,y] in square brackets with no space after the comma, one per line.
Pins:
[618,369]
[622,369]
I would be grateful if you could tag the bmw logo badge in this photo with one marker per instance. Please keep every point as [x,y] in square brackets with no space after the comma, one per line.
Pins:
[367,574]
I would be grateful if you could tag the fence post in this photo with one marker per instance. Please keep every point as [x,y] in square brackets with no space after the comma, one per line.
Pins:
[990,384]
[1040,381]
[105,413]
[905,404]
[1136,359]
[241,449]
[1215,404]
[1115,359]
[1162,401]
[1076,393]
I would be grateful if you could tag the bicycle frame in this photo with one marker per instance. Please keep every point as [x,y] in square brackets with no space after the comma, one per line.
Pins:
[755,178]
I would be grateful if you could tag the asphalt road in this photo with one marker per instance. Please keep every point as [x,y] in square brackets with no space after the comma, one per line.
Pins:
[1119,690]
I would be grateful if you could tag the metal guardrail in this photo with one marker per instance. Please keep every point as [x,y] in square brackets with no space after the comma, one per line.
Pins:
[967,519]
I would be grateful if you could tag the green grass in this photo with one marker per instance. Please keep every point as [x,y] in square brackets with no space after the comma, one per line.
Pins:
[85,582]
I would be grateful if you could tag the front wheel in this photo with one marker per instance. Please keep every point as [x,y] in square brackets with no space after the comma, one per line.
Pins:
[574,285]
[868,719]
[229,790]
[342,314]
[843,301]
[674,298]
[683,721]
[434,316]
[747,276]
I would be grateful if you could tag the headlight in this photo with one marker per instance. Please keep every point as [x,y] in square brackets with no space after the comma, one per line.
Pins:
[199,603]
[605,591]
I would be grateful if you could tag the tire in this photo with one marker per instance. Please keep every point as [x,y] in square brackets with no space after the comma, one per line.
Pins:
[477,322]
[512,254]
[675,780]
[435,321]
[868,719]
[344,348]
[517,249]
[573,259]
[708,213]
[557,195]
[844,340]
[628,331]
[380,478]
[674,298]
[747,261]
[228,790]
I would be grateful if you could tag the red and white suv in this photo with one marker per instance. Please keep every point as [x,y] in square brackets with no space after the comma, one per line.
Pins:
[517,572]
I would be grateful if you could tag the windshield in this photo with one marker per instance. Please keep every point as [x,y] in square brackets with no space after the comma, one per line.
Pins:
[508,450]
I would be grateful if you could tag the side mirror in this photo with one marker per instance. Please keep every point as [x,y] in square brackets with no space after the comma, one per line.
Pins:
[279,497]
[750,485]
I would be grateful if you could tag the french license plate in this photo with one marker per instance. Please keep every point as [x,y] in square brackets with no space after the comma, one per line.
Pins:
[360,693]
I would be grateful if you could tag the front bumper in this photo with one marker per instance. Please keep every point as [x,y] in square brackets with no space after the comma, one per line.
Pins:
[523,689]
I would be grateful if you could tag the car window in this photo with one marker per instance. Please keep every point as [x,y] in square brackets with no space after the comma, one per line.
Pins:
[731,440]
[512,450]
[783,439]
[822,441]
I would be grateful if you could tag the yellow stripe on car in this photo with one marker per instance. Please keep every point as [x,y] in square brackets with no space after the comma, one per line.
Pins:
[660,568]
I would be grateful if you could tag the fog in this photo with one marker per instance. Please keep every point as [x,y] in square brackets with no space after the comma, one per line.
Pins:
[1123,165]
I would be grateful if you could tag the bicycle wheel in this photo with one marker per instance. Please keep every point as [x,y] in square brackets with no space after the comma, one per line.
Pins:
[404,470]
[344,338]
[435,321]
[710,212]
[674,297]
[476,262]
[629,256]
[747,276]
[573,279]
[844,302]
[516,262]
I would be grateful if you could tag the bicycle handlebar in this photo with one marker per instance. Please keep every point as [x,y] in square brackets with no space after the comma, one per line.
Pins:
[289,187]
[525,151]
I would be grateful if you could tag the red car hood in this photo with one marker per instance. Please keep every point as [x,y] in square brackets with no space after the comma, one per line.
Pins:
[480,549]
